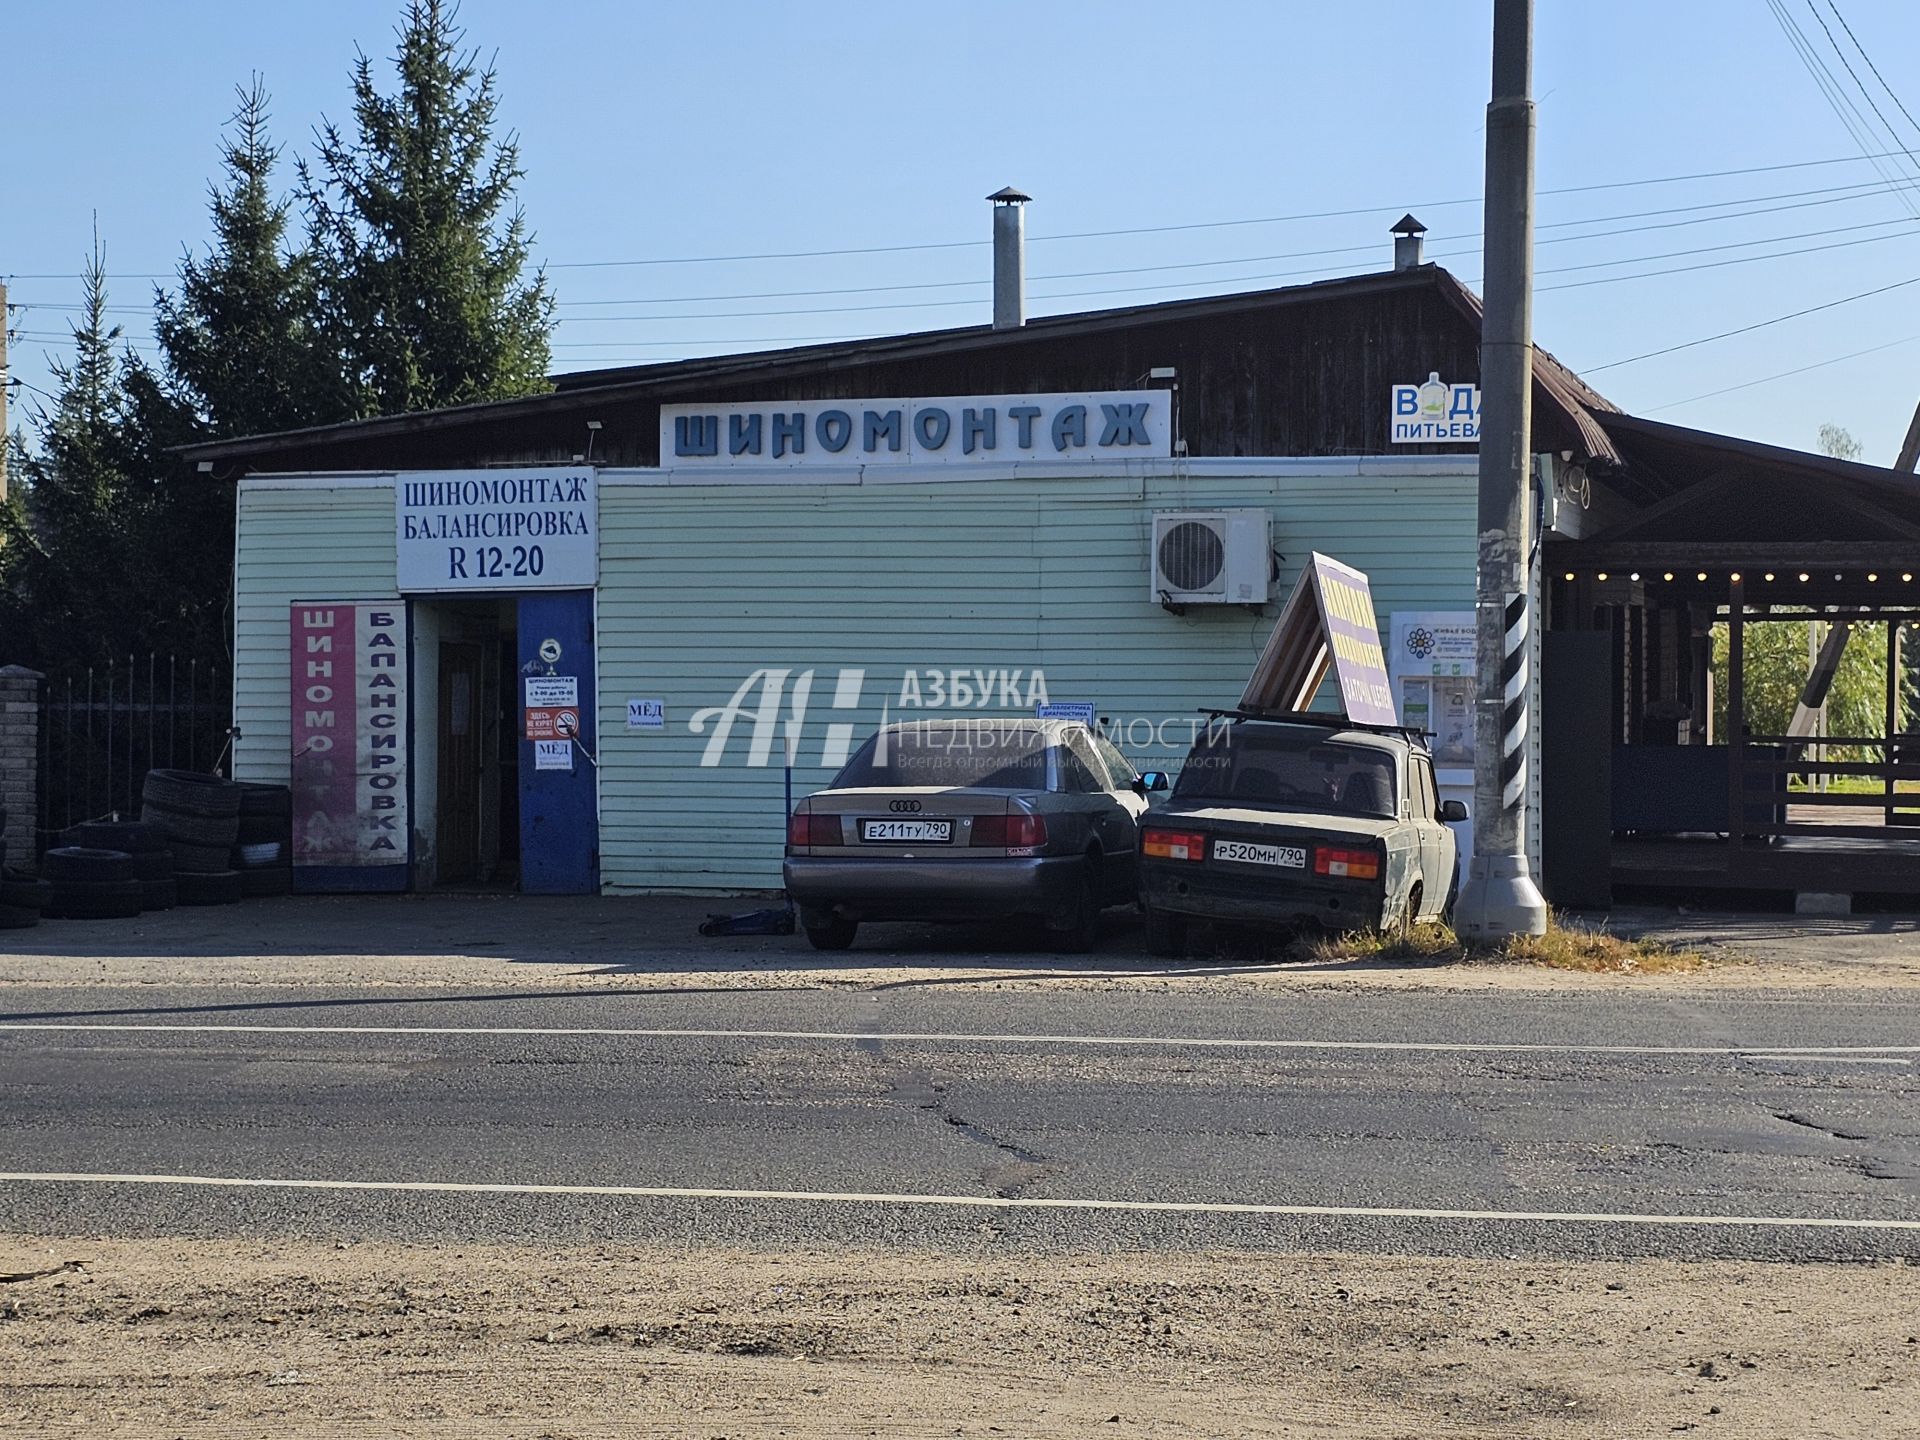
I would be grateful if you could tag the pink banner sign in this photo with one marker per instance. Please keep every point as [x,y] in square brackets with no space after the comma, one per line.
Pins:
[348,691]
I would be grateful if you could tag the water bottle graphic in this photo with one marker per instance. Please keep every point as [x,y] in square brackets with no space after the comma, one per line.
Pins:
[1433,397]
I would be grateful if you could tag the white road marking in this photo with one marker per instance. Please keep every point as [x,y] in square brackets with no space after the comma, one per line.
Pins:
[1201,1042]
[1825,1058]
[988,1202]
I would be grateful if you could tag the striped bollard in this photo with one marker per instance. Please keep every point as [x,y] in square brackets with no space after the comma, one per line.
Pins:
[1514,678]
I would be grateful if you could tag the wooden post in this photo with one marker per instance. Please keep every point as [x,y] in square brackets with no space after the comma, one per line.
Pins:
[1888,750]
[1910,447]
[1736,722]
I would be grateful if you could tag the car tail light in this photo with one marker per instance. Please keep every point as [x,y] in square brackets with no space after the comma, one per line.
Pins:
[1174,844]
[1342,864]
[805,829]
[1019,831]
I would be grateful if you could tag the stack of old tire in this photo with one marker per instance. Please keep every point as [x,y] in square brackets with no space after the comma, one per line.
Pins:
[144,845]
[263,849]
[89,883]
[200,817]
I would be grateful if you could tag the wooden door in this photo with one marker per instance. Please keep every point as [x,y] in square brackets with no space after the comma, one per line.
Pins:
[457,838]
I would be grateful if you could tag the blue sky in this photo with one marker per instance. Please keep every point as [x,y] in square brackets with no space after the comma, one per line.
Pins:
[675,132]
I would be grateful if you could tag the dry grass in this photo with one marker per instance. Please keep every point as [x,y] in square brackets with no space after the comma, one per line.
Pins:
[1564,947]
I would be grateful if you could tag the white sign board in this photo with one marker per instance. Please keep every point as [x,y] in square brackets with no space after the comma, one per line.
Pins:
[496,530]
[646,714]
[553,755]
[552,690]
[1081,710]
[953,429]
[1433,658]
[1434,412]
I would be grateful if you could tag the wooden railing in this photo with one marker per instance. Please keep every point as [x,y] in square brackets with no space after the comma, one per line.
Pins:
[1766,764]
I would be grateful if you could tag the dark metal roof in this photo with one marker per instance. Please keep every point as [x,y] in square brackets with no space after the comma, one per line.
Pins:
[1696,487]
[1671,451]
[1562,391]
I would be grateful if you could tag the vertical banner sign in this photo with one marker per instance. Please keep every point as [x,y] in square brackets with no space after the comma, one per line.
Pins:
[348,692]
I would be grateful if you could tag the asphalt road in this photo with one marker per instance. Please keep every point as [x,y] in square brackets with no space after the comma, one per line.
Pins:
[1673,1124]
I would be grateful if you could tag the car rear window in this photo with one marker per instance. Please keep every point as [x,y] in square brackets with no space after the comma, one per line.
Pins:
[1285,770]
[967,755]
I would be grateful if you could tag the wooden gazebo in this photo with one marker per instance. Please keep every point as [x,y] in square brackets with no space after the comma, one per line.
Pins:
[1698,529]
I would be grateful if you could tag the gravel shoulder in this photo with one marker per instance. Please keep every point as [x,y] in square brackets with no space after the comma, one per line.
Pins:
[651,943]
[172,1337]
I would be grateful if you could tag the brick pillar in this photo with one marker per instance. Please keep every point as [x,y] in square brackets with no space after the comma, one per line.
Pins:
[19,763]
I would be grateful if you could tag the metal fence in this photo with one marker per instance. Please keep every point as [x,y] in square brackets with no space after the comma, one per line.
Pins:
[103,728]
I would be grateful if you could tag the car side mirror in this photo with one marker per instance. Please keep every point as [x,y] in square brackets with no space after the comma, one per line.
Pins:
[1151,780]
[1453,811]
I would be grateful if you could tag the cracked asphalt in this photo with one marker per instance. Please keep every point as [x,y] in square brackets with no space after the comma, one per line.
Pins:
[1659,1111]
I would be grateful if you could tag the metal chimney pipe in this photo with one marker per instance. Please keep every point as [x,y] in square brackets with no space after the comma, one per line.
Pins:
[1407,243]
[1009,258]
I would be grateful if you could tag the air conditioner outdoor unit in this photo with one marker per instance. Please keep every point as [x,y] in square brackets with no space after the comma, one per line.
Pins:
[1212,557]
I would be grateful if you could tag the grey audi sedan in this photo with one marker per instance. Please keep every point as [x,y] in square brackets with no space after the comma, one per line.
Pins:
[971,819]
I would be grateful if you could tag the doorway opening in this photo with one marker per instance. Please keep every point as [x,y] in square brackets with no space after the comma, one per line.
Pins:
[466,745]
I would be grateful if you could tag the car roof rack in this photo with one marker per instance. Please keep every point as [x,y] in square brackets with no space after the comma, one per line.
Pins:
[1314,717]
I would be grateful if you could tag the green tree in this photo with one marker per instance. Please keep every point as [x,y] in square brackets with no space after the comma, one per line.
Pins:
[240,339]
[420,245]
[99,556]
[1774,658]
[1838,441]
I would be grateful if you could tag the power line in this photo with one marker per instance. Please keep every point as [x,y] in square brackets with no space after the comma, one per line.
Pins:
[1211,280]
[1836,97]
[1865,94]
[1891,95]
[1838,194]
[1782,375]
[1746,329]
[28,385]
[1576,284]
[1735,260]
[1828,194]
[1858,191]
[1896,181]
[1226,224]
[617,345]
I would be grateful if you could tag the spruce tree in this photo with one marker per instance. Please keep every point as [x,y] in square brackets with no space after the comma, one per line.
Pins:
[240,338]
[420,244]
[99,557]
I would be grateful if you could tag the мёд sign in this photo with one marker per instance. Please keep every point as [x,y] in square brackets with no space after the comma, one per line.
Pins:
[480,530]
[348,690]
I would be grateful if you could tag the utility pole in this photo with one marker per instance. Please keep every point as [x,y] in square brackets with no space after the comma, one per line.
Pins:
[1500,898]
[6,384]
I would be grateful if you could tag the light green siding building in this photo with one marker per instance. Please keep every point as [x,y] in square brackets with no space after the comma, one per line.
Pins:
[856,588]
